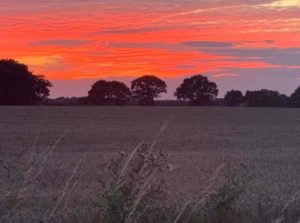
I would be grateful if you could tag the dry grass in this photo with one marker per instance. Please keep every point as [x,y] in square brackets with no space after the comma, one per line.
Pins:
[60,183]
[36,172]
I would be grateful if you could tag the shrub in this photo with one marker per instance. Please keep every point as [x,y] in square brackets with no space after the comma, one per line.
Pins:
[135,190]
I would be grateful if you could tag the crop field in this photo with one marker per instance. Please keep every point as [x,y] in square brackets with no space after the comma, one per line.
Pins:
[50,157]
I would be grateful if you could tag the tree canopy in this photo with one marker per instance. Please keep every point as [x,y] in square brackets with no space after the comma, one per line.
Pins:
[109,92]
[19,86]
[295,98]
[233,98]
[198,90]
[265,98]
[147,88]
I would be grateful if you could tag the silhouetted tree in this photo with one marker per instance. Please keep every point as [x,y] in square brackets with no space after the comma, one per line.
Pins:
[265,98]
[295,98]
[109,92]
[66,101]
[147,88]
[233,98]
[19,86]
[284,100]
[198,90]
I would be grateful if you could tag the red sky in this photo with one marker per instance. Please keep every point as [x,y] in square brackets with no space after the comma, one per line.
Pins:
[239,44]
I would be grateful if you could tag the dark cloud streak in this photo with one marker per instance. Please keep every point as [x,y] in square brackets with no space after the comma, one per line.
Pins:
[60,42]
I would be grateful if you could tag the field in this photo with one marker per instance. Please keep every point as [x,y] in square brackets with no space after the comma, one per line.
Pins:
[68,144]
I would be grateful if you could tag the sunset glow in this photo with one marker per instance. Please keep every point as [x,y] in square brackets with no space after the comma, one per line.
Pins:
[240,44]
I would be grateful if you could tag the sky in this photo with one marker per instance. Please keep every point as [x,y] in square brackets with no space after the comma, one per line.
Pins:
[239,44]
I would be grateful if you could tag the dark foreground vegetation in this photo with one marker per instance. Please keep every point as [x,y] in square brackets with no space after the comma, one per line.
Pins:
[19,86]
[135,190]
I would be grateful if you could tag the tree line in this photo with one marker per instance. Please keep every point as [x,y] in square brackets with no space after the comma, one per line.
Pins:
[19,86]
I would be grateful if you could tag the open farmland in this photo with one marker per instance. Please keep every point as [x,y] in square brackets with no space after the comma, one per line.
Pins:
[70,143]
